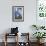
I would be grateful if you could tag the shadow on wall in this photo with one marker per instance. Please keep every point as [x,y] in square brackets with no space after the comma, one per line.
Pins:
[32,30]
[3,33]
[7,31]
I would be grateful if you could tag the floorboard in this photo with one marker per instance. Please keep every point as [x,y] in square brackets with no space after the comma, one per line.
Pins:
[13,44]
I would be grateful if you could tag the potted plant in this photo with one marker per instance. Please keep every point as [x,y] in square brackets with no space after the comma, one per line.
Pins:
[38,27]
[35,26]
[39,35]
[42,27]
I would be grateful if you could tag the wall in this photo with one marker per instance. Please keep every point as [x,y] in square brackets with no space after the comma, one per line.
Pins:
[6,15]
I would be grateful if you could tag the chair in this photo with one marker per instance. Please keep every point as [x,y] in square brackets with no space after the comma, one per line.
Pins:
[7,35]
[26,41]
[14,32]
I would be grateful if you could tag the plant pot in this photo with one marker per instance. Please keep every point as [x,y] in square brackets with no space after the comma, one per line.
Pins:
[40,41]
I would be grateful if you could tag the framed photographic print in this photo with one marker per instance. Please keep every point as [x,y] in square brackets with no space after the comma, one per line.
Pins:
[17,13]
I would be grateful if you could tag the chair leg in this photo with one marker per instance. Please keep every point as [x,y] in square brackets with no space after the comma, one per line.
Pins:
[5,40]
[5,43]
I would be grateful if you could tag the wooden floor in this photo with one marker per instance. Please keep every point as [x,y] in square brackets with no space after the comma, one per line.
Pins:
[13,44]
